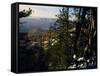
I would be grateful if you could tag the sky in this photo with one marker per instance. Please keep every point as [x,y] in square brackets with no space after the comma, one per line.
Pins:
[41,11]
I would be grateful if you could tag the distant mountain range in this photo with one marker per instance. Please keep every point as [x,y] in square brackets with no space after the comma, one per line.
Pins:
[28,24]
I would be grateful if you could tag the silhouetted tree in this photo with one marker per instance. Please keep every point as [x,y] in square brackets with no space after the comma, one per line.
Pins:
[25,13]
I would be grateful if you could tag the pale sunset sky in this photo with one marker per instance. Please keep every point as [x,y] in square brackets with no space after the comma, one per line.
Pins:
[41,11]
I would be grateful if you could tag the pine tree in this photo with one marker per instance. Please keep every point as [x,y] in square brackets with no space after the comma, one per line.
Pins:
[70,38]
[25,13]
[60,41]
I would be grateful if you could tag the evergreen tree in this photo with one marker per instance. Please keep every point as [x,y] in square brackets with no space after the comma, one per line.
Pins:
[73,41]
[61,42]
[25,13]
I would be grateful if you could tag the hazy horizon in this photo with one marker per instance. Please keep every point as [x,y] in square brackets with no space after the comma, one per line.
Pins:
[27,23]
[42,16]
